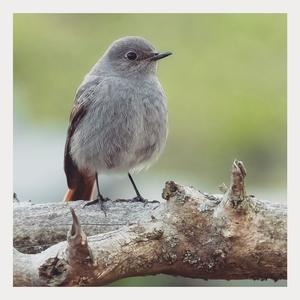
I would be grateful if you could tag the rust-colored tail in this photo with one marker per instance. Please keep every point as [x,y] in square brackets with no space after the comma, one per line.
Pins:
[82,191]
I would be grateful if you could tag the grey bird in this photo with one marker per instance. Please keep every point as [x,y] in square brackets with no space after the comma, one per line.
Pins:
[119,119]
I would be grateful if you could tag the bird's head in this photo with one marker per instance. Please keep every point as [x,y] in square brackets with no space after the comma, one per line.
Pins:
[131,55]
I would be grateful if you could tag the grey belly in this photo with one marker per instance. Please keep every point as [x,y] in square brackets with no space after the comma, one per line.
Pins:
[120,139]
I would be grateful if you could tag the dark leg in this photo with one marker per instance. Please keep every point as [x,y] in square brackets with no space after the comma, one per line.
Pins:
[98,189]
[99,200]
[138,195]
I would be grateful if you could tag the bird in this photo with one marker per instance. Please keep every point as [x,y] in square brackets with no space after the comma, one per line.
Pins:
[119,120]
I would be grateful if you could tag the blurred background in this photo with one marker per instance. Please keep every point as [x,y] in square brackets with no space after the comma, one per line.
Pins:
[227,98]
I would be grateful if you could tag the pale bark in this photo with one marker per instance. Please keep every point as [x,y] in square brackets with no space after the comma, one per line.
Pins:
[193,234]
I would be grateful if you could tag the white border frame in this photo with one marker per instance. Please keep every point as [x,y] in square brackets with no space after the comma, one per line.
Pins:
[6,138]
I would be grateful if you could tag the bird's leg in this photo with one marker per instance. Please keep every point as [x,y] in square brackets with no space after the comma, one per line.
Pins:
[99,200]
[138,197]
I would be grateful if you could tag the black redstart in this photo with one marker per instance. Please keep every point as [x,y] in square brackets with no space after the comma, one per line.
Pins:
[119,119]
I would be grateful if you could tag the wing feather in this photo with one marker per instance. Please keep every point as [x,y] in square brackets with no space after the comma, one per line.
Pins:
[81,105]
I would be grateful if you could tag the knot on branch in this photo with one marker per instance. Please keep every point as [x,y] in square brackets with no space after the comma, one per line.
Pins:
[181,195]
[54,271]
[170,190]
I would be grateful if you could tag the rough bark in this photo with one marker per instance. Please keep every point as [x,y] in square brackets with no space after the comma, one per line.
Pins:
[193,234]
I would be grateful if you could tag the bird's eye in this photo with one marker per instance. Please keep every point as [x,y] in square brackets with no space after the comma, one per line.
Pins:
[131,55]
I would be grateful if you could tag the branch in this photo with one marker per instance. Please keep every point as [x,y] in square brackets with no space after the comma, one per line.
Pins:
[192,234]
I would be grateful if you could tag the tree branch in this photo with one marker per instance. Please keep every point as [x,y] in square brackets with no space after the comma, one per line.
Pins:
[192,234]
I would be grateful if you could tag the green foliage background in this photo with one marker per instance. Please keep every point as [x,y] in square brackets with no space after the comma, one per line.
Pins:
[226,84]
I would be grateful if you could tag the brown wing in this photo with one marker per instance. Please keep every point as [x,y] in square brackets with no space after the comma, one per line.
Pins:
[81,105]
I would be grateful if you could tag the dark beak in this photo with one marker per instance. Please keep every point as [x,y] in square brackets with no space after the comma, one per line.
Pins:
[157,56]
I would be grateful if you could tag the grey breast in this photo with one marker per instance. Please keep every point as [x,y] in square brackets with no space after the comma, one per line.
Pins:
[125,127]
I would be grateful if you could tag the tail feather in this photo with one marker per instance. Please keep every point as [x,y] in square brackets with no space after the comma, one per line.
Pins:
[82,191]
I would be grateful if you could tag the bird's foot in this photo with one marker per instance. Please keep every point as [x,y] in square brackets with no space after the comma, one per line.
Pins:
[100,201]
[143,200]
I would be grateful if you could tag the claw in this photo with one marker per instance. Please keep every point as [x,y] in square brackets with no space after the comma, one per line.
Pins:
[100,201]
[143,200]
